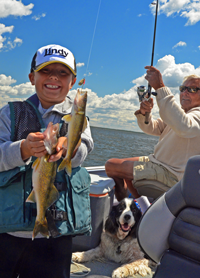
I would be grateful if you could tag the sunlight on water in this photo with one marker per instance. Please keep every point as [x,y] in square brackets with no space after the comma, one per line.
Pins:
[110,143]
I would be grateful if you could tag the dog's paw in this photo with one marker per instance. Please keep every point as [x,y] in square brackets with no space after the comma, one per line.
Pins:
[77,257]
[143,270]
[130,269]
[120,272]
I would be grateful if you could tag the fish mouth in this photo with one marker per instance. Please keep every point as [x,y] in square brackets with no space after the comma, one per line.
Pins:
[125,227]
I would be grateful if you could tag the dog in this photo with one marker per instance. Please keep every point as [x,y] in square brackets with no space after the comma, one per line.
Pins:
[119,242]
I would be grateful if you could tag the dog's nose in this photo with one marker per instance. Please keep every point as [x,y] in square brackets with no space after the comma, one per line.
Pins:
[127,217]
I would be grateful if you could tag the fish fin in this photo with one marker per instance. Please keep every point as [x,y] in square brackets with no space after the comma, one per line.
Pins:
[53,196]
[84,124]
[42,228]
[31,197]
[36,163]
[67,118]
[67,165]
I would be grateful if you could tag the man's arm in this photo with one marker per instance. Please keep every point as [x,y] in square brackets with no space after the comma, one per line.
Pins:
[185,125]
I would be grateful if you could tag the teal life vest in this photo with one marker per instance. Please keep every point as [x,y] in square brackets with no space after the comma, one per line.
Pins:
[71,214]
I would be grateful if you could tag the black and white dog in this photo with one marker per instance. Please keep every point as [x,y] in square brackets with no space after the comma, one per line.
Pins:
[119,242]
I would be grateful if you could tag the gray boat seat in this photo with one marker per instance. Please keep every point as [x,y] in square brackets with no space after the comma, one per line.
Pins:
[150,188]
[169,231]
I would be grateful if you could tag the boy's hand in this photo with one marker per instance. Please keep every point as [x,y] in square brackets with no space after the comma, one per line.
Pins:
[33,145]
[61,149]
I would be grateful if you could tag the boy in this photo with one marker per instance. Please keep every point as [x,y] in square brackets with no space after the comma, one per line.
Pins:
[53,73]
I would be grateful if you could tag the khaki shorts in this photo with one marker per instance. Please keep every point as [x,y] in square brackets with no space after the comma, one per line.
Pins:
[145,169]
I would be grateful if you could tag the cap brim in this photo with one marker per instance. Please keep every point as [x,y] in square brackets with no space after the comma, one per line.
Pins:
[41,66]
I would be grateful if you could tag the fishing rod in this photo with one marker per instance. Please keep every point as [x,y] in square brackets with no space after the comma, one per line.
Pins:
[141,90]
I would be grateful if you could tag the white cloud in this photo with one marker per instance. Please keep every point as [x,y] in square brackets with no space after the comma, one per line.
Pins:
[16,42]
[6,80]
[79,65]
[179,44]
[88,74]
[173,73]
[11,93]
[190,9]
[15,8]
[116,110]
[38,17]
[4,29]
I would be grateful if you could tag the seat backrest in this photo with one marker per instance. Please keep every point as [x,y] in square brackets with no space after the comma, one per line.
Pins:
[173,220]
[184,236]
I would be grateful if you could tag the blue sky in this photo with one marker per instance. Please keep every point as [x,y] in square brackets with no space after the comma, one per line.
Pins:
[119,49]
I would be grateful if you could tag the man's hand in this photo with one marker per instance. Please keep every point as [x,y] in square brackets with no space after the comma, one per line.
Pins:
[146,106]
[33,145]
[154,77]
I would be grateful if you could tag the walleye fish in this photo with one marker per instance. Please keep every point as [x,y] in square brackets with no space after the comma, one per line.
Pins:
[44,193]
[77,123]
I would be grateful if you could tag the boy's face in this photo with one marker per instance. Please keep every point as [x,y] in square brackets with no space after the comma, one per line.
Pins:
[52,83]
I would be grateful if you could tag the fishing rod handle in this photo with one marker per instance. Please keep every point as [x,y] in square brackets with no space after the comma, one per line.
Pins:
[146,121]
[146,118]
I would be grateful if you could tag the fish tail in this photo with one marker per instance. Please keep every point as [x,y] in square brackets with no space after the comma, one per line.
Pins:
[40,227]
[67,165]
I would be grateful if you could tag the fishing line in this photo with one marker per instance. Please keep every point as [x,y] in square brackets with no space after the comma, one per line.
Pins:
[82,81]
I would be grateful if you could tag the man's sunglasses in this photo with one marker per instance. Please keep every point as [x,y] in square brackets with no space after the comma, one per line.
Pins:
[192,90]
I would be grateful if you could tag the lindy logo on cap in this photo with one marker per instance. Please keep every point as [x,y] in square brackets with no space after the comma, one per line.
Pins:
[55,51]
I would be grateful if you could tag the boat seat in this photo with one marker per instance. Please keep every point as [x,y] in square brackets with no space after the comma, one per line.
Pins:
[169,231]
[150,188]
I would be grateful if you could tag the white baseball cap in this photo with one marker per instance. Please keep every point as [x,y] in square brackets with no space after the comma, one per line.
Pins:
[53,54]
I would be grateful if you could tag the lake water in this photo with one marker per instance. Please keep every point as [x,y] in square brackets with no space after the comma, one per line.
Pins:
[109,143]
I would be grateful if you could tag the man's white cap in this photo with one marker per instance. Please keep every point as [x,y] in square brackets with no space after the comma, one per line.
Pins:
[53,54]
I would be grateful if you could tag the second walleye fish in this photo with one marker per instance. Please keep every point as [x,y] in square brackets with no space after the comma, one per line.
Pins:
[77,123]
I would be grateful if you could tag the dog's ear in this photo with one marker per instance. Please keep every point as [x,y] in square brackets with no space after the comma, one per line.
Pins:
[111,223]
[137,215]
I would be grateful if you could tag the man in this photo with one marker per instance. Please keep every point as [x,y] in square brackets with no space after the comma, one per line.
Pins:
[179,134]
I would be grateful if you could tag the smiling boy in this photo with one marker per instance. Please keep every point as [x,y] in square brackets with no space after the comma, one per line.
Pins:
[53,73]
